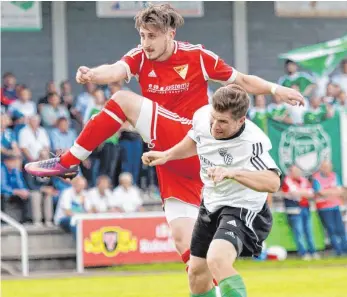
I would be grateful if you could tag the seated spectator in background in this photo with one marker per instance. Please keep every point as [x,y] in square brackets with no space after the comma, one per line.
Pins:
[297,191]
[332,94]
[258,113]
[296,113]
[13,187]
[126,197]
[8,90]
[52,111]
[50,88]
[317,111]
[42,193]
[131,145]
[328,189]
[68,100]
[85,98]
[9,146]
[278,111]
[341,78]
[62,137]
[24,105]
[33,139]
[303,80]
[98,198]
[70,203]
[113,88]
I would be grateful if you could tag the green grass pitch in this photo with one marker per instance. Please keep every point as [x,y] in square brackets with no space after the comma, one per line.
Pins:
[291,278]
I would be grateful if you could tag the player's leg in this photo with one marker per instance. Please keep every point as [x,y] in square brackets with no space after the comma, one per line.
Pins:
[222,253]
[200,278]
[123,106]
[181,218]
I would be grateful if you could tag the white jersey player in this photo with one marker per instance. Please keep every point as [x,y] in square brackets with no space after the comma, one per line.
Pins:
[238,173]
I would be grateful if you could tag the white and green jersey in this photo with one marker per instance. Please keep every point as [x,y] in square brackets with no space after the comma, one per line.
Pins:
[277,112]
[246,150]
[315,115]
[259,117]
[301,79]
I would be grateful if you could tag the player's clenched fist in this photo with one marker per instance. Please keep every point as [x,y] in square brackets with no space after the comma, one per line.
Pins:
[154,158]
[217,174]
[84,75]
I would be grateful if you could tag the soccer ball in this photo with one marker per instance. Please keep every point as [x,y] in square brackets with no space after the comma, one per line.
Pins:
[276,253]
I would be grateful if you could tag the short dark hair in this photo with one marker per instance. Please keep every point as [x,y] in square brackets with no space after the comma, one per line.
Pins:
[50,95]
[161,16]
[288,62]
[231,98]
[7,74]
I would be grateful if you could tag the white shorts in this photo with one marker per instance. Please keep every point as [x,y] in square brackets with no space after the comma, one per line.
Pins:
[175,208]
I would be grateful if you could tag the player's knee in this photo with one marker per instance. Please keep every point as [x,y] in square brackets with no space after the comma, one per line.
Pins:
[195,272]
[215,262]
[121,97]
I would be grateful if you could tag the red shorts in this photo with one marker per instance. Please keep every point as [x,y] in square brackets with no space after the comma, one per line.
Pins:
[162,129]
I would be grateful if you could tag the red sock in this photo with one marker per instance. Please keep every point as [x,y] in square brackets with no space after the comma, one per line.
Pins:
[96,131]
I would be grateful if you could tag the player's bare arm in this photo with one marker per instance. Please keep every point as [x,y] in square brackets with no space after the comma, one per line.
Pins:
[260,181]
[103,74]
[258,86]
[182,150]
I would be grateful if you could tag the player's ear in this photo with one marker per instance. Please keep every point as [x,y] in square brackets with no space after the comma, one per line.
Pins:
[172,33]
[242,120]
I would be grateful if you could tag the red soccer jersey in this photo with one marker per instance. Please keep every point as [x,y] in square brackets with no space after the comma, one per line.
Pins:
[180,83]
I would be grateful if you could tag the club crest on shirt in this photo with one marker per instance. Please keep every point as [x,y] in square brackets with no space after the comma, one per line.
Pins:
[228,158]
[182,70]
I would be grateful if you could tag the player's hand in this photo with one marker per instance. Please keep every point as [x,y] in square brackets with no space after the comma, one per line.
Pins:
[217,174]
[154,158]
[290,96]
[84,75]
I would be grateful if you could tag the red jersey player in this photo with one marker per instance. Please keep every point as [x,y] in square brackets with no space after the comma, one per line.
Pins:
[173,77]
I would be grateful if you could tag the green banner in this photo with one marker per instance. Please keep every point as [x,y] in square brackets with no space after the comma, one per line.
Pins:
[282,234]
[321,58]
[306,146]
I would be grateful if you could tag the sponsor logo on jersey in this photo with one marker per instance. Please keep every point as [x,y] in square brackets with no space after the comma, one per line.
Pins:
[152,74]
[182,70]
[228,158]
[110,241]
[305,147]
[170,89]
[230,234]
[233,222]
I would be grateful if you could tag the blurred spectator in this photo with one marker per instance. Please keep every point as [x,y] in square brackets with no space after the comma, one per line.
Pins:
[303,80]
[258,114]
[42,193]
[296,113]
[332,94]
[52,111]
[297,192]
[98,198]
[341,79]
[9,146]
[50,88]
[342,102]
[13,188]
[131,145]
[33,139]
[71,202]
[114,87]
[109,151]
[8,90]
[328,188]
[24,105]
[68,100]
[317,111]
[62,137]
[126,197]
[85,98]
[278,111]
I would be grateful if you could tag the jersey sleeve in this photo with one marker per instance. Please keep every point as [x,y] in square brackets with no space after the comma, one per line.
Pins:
[260,158]
[132,61]
[215,69]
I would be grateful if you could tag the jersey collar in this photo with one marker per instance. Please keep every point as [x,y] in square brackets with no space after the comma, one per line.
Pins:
[236,134]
